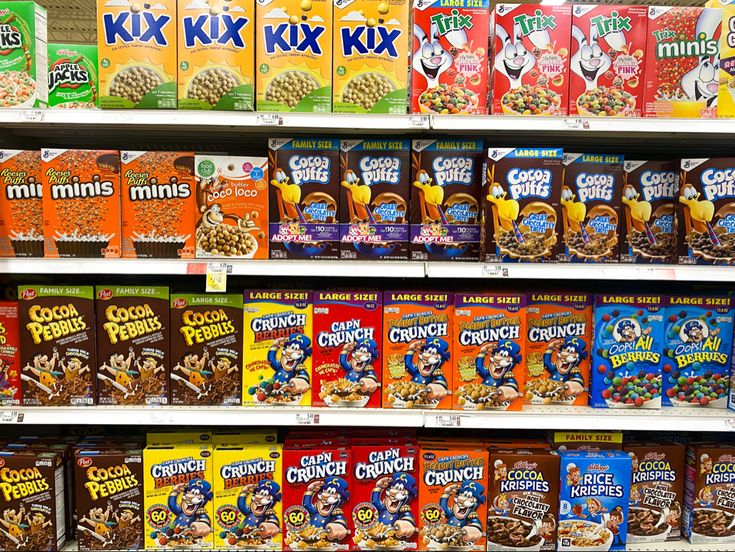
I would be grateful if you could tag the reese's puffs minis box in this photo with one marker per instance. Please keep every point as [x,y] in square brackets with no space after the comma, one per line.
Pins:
[10,367]
[21,208]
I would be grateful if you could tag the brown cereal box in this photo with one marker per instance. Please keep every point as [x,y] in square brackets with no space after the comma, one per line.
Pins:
[10,367]
[21,208]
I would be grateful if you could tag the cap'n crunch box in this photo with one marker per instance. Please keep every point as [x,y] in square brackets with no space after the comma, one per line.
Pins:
[21,208]
[10,366]
[72,76]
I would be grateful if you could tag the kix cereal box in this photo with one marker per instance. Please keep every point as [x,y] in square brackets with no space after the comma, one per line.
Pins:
[72,76]
[558,344]
[347,343]
[726,91]
[489,344]
[294,55]
[627,351]
[417,349]
[178,502]
[10,366]
[278,347]
[248,512]
[592,441]
[21,208]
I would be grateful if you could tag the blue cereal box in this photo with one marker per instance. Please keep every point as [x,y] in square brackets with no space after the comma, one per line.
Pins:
[698,350]
[627,351]
[593,500]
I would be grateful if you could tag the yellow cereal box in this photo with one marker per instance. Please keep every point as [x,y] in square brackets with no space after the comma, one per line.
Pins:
[726,93]
[294,55]
[371,56]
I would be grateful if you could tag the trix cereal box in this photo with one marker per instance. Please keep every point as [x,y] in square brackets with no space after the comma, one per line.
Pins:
[530,72]
[698,349]
[446,178]
[304,198]
[627,351]
[593,500]
[72,76]
[21,208]
[558,344]
[607,60]
[278,347]
[489,343]
[521,205]
[347,343]
[726,91]
[10,362]
[57,345]
[449,66]
[591,441]
[417,349]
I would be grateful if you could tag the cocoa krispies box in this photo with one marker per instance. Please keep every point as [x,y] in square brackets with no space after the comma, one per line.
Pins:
[10,361]
[21,211]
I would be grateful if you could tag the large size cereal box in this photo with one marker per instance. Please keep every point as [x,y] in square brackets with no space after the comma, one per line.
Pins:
[10,362]
[137,54]
[23,61]
[726,91]
[530,70]
[417,349]
[449,67]
[72,76]
[608,47]
[21,207]
[489,346]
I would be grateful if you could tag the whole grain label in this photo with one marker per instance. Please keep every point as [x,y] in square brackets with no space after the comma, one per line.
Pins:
[10,367]
[21,208]
[72,76]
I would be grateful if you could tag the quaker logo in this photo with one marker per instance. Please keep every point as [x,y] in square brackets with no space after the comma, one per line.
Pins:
[659,184]
[65,73]
[284,38]
[104,294]
[28,294]
[613,24]
[84,462]
[223,29]
[524,183]
[364,40]
[453,170]
[10,39]
[533,23]
[429,456]
[592,187]
[128,27]
[718,183]
[179,303]
[454,21]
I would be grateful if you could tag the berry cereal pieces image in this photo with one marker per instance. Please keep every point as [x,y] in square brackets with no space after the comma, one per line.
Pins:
[10,367]
[72,76]
[21,211]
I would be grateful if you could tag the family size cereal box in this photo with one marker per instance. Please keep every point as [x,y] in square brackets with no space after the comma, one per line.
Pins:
[593,500]
[347,342]
[445,199]
[21,208]
[304,198]
[137,54]
[698,350]
[627,352]
[726,90]
[489,344]
[449,73]
[232,203]
[81,203]
[558,344]
[294,55]
[520,205]
[417,349]
[607,60]
[158,204]
[591,441]
[590,200]
[530,71]
[10,361]
[72,76]
[278,347]
[374,201]
[682,62]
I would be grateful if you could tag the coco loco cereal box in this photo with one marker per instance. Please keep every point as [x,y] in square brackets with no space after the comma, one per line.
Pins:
[417,349]
[21,211]
[10,366]
[489,343]
[72,76]
[682,62]
[137,54]
[57,345]
[558,344]
[347,343]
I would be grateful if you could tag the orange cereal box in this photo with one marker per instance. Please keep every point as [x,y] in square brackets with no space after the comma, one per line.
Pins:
[158,204]
[417,348]
[21,206]
[489,332]
[81,203]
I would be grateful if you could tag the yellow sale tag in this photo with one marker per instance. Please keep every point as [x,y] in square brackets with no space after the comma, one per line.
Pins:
[217,277]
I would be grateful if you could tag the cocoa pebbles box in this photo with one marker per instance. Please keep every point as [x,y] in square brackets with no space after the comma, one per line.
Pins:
[21,208]
[10,367]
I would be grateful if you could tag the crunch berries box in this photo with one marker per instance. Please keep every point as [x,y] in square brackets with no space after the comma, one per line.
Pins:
[10,366]
[21,208]
[72,76]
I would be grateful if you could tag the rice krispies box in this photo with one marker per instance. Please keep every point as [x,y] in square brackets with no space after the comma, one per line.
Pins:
[21,211]
[10,362]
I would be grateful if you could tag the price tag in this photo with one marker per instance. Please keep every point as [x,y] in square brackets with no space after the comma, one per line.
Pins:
[494,271]
[307,418]
[577,124]
[447,420]
[217,277]
[196,268]
[419,121]
[10,417]
[268,119]
[32,115]
[730,424]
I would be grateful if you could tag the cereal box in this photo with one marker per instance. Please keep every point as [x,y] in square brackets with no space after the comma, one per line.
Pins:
[682,62]
[294,56]
[558,344]
[627,352]
[57,345]
[21,208]
[590,200]
[593,500]
[347,343]
[137,54]
[445,213]
[10,366]
[607,60]
[449,68]
[72,76]
[374,201]
[648,226]
[530,71]
[158,204]
[278,346]
[698,348]
[489,344]
[417,349]
[726,90]
[304,198]
[206,345]
[520,205]
[81,203]
[591,441]
[216,53]
[23,61]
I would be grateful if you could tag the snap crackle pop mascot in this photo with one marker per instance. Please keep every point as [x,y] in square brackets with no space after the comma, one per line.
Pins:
[258,510]
[288,367]
[459,504]
[392,497]
[427,369]
[326,511]
[570,352]
[187,501]
[495,363]
[357,359]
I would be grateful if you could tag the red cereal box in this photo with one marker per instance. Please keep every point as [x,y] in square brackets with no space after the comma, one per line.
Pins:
[10,388]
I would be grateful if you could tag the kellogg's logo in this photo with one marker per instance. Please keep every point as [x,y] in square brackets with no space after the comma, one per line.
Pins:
[28,294]
[179,303]
[364,40]
[104,294]
[284,37]
[84,462]
[223,29]
[129,27]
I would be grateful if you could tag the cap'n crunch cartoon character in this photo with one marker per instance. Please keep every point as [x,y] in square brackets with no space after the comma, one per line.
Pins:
[258,512]
[495,363]
[288,368]
[326,511]
[459,504]
[357,359]
[186,501]
[565,367]
[427,369]
[391,496]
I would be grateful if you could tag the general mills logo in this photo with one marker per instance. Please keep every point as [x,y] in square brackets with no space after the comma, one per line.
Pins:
[687,164]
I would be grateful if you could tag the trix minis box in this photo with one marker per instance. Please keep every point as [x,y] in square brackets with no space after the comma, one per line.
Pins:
[21,208]
[417,349]
[627,350]
[489,344]
[10,361]
[588,440]
[520,203]
[347,344]
[72,76]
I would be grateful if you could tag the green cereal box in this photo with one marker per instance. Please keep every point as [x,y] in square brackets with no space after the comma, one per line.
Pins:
[23,59]
[72,76]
